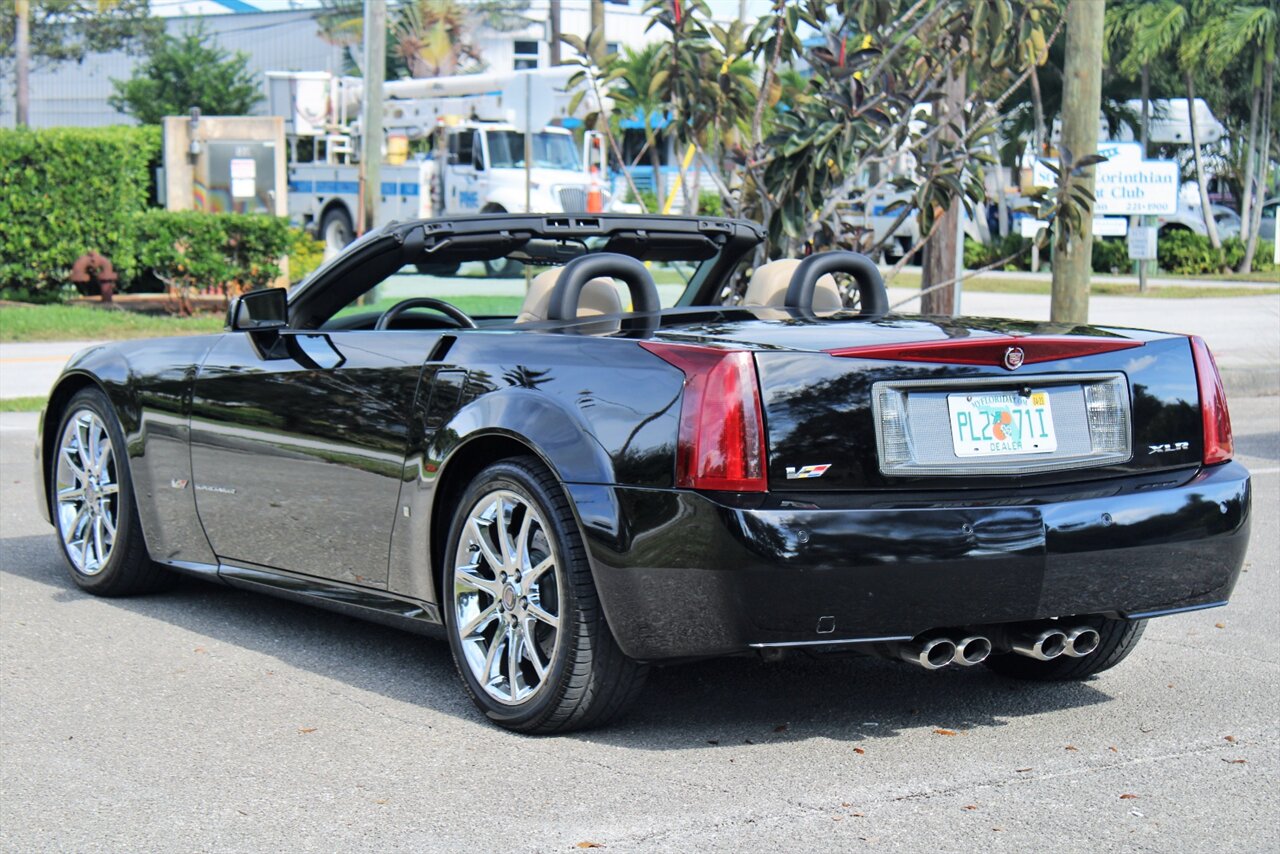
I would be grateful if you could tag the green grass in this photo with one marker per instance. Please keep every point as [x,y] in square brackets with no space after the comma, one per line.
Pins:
[82,323]
[473,306]
[21,404]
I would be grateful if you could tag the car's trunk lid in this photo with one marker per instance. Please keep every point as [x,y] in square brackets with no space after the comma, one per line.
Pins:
[969,403]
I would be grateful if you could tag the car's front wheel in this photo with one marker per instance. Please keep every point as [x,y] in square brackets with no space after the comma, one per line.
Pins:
[91,495]
[525,624]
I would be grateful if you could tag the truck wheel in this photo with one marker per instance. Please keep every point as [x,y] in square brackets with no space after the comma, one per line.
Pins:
[524,620]
[336,230]
[1118,638]
[91,494]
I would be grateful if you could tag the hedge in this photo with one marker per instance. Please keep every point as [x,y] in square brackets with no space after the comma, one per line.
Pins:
[196,251]
[68,191]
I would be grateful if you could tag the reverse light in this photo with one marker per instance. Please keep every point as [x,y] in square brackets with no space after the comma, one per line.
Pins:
[720,444]
[1218,446]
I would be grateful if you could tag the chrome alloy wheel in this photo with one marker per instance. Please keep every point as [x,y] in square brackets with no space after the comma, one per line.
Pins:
[506,597]
[88,492]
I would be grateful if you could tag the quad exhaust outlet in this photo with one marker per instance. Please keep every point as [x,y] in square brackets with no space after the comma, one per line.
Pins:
[1042,644]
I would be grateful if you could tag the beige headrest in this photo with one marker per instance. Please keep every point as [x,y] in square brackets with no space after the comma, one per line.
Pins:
[768,286]
[600,296]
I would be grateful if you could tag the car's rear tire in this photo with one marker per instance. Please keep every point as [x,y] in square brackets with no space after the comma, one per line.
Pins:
[1117,640]
[524,620]
[93,506]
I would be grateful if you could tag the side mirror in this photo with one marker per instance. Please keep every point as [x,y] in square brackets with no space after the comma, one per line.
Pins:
[259,310]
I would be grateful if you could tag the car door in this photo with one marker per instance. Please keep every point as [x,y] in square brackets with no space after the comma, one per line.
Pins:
[297,453]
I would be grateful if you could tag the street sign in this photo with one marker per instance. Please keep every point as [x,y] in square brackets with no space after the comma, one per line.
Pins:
[1142,243]
[1126,184]
[1103,226]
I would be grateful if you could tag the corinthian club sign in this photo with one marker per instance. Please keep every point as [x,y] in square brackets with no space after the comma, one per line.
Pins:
[1127,184]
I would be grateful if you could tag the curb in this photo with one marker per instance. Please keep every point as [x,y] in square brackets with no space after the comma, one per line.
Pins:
[1251,381]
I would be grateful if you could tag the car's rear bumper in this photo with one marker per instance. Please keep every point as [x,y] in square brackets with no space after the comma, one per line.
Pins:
[682,574]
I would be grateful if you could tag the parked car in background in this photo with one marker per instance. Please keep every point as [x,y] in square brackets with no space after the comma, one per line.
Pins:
[1191,218]
[1267,229]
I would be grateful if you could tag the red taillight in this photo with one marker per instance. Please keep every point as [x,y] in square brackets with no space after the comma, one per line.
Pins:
[1218,447]
[721,440]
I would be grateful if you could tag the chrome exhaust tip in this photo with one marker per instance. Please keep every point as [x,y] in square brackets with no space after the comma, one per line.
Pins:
[1081,641]
[972,650]
[1042,646]
[932,654]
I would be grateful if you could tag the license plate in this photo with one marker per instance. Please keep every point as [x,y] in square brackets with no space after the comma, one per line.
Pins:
[996,423]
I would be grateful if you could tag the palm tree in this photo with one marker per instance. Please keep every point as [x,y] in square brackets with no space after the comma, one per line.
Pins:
[1250,28]
[1155,29]
[630,77]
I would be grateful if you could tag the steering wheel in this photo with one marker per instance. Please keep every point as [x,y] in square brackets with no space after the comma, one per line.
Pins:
[873,300]
[563,302]
[454,313]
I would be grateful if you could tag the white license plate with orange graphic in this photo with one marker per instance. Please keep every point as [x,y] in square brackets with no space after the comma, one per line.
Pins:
[987,424]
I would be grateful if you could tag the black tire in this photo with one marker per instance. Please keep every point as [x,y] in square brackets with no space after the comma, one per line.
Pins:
[336,229]
[588,679]
[1118,638]
[128,569]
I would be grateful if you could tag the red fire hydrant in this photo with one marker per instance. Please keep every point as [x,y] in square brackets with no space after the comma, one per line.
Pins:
[92,267]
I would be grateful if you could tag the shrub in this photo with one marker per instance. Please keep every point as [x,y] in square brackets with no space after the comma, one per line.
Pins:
[305,254]
[1188,253]
[978,255]
[710,204]
[65,192]
[1110,256]
[192,251]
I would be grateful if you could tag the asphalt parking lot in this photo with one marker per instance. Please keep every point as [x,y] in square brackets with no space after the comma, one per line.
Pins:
[211,719]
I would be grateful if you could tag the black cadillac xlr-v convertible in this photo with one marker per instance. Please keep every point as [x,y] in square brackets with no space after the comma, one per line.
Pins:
[628,472]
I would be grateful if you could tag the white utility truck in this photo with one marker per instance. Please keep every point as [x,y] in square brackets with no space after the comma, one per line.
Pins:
[469,142]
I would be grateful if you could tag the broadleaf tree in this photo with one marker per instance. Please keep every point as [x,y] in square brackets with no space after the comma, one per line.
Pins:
[187,71]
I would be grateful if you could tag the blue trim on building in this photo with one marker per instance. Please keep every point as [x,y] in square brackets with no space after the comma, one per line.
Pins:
[238,6]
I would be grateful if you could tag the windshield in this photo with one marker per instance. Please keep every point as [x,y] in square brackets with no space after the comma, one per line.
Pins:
[550,151]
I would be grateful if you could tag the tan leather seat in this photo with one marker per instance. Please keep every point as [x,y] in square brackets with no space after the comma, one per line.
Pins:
[768,286]
[600,296]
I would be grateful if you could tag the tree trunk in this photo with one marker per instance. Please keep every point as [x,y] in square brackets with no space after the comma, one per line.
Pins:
[1144,129]
[22,63]
[1264,159]
[1210,224]
[553,12]
[941,249]
[1246,188]
[1002,198]
[375,63]
[659,185]
[1081,103]
[1037,110]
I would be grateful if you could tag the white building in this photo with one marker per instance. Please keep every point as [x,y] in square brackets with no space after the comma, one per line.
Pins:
[282,35]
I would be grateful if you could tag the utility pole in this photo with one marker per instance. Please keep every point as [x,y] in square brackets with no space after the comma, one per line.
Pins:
[22,62]
[601,54]
[375,69]
[554,12]
[1081,103]
[945,246]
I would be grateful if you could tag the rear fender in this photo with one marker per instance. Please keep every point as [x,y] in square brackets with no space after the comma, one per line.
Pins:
[438,469]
